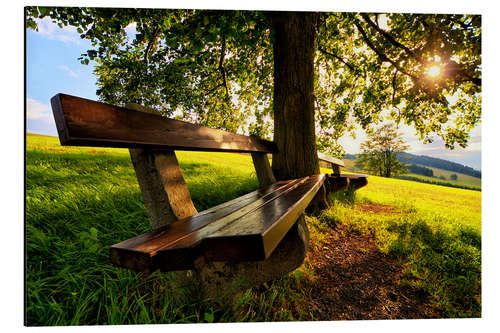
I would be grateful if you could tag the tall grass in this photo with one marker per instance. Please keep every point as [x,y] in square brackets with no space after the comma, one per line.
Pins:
[81,200]
[78,204]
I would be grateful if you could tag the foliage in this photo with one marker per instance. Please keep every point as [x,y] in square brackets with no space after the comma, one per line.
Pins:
[453,176]
[379,152]
[216,67]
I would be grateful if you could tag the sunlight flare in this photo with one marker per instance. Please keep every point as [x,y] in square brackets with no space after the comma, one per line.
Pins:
[434,71]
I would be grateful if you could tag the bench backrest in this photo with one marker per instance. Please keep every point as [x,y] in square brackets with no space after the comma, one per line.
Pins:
[83,122]
[152,140]
[334,162]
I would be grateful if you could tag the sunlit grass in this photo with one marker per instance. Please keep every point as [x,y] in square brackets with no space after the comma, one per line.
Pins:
[463,205]
[461,178]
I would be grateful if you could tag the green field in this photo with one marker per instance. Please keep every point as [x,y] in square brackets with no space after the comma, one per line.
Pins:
[81,200]
[461,178]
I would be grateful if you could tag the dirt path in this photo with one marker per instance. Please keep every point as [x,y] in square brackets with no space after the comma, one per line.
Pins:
[355,281]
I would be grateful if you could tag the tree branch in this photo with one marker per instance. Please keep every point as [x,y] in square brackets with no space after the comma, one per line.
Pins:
[221,63]
[351,67]
[381,55]
[151,43]
[394,85]
[465,74]
[387,36]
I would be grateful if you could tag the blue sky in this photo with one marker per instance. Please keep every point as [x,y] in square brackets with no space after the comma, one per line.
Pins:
[52,67]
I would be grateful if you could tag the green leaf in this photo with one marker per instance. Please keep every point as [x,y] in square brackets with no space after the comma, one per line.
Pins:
[208,317]
[93,232]
[298,273]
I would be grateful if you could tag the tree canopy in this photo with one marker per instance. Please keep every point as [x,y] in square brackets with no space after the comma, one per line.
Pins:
[218,68]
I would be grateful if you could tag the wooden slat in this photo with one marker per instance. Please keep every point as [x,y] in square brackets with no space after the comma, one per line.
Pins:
[249,228]
[250,237]
[253,235]
[330,159]
[82,122]
[349,175]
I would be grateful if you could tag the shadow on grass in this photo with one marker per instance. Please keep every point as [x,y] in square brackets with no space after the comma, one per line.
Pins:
[355,281]
[446,265]
[347,196]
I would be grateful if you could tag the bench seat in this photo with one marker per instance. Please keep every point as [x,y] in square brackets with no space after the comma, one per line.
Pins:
[244,229]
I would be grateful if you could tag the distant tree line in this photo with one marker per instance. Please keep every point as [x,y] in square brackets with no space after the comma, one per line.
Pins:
[438,182]
[349,157]
[420,170]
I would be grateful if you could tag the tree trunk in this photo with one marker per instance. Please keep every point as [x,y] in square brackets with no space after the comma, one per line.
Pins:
[294,130]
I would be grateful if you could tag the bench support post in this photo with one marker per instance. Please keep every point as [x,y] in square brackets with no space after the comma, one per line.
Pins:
[263,169]
[335,168]
[319,202]
[162,184]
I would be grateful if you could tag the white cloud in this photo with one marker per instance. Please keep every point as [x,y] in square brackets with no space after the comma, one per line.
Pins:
[69,71]
[36,110]
[50,30]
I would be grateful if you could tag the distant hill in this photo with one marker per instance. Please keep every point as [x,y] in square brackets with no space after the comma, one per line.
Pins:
[349,157]
[433,162]
[438,163]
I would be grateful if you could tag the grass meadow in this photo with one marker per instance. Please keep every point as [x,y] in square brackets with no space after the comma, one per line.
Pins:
[79,201]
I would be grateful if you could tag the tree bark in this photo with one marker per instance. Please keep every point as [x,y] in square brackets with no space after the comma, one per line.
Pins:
[294,130]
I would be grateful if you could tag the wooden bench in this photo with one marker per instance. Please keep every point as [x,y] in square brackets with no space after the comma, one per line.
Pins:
[248,228]
[339,181]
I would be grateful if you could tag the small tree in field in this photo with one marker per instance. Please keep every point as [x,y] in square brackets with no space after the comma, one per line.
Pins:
[379,152]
